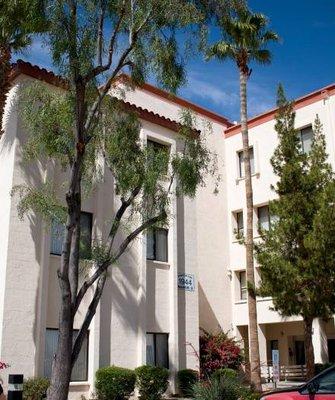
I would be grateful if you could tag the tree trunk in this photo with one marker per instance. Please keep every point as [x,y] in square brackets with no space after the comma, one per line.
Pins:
[61,366]
[68,271]
[255,370]
[309,350]
[5,57]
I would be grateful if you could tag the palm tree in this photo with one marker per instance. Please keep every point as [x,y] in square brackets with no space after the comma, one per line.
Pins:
[244,40]
[19,19]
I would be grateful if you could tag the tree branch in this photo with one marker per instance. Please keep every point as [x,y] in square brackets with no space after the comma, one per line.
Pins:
[88,318]
[100,31]
[111,260]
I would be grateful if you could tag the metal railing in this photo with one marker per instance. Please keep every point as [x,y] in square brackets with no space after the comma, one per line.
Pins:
[287,372]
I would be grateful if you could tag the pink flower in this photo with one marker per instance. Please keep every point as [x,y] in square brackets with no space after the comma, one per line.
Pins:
[3,365]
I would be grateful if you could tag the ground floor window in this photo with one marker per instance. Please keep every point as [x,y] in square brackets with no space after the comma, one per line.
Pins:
[80,369]
[158,349]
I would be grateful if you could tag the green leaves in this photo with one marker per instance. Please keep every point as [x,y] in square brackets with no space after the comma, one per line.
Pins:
[245,36]
[296,256]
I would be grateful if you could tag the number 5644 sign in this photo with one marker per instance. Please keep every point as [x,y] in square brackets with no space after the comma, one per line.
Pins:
[186,282]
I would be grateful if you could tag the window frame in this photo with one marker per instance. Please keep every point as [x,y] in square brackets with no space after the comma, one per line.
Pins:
[64,227]
[87,354]
[268,216]
[240,162]
[301,131]
[242,289]
[237,215]
[155,230]
[167,335]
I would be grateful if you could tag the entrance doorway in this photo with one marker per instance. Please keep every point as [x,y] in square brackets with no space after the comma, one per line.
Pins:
[299,346]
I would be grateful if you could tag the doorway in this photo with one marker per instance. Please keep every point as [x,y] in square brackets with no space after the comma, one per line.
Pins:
[299,346]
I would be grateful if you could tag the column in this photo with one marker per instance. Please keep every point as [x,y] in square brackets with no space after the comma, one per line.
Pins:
[319,339]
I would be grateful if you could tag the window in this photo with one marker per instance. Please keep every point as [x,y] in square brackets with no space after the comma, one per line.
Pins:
[263,218]
[58,231]
[239,224]
[242,276]
[157,244]
[157,149]
[306,137]
[80,369]
[241,162]
[158,349]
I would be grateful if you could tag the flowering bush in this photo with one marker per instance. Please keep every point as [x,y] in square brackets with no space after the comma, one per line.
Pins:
[3,365]
[218,351]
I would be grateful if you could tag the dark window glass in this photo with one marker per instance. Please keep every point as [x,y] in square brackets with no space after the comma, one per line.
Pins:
[263,218]
[239,224]
[156,149]
[306,137]
[243,285]
[85,235]
[158,349]
[157,244]
[58,231]
[241,162]
[80,368]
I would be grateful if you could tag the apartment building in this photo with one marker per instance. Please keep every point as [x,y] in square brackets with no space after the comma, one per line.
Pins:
[149,312]
[275,332]
[167,285]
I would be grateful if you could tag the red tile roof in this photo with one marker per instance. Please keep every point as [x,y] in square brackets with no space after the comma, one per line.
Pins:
[270,115]
[178,100]
[34,71]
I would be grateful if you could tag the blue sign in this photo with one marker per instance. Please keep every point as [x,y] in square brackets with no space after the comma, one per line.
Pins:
[186,282]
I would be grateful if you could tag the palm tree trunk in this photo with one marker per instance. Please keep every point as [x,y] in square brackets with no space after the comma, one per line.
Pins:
[309,350]
[254,359]
[5,57]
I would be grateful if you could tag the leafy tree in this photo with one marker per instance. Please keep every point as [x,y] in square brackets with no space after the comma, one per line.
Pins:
[19,19]
[91,42]
[297,254]
[244,40]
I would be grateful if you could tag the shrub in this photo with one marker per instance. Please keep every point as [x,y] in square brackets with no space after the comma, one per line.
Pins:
[226,385]
[152,382]
[114,383]
[225,373]
[35,388]
[217,389]
[218,351]
[186,380]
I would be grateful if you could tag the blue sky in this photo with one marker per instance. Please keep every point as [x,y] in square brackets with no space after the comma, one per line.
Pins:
[303,62]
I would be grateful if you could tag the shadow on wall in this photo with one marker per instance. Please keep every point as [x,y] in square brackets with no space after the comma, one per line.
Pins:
[207,318]
[25,244]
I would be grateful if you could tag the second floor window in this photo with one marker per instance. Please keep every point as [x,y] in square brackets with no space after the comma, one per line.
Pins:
[239,224]
[306,137]
[242,277]
[241,162]
[157,244]
[58,231]
[263,218]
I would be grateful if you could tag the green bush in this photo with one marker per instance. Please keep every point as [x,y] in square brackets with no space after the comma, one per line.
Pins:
[35,388]
[225,373]
[226,385]
[152,382]
[114,383]
[186,380]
